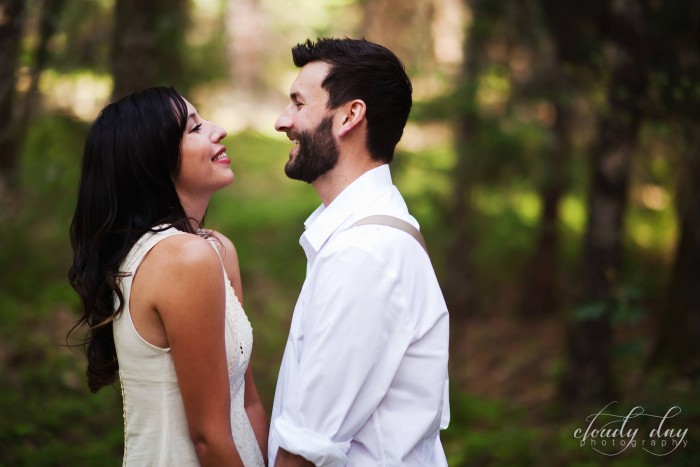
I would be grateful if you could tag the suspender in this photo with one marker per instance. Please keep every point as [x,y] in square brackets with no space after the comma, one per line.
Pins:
[395,222]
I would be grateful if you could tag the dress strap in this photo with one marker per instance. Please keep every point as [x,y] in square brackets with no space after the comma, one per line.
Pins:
[144,245]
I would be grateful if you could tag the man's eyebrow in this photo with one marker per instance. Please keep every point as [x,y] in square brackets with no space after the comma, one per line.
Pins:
[295,96]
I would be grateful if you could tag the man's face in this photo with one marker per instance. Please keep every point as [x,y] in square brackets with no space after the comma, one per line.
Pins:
[309,124]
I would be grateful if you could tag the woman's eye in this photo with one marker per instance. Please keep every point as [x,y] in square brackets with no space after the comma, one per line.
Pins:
[196,127]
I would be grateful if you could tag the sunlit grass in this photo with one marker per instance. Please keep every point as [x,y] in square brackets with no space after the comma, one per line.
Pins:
[79,93]
[654,230]
[524,203]
[573,213]
[494,90]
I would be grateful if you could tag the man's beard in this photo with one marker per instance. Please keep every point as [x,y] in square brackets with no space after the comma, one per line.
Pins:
[318,153]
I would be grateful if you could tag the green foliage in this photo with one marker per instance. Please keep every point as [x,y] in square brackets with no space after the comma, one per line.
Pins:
[47,410]
[84,36]
[47,414]
[493,433]
[590,311]
[624,309]
[35,238]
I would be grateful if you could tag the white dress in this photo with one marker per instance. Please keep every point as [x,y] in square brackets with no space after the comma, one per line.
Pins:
[155,427]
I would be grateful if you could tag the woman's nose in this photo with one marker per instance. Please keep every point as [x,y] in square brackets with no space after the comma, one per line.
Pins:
[219,133]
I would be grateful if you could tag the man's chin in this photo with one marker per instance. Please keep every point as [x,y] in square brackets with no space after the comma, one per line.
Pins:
[300,178]
[291,171]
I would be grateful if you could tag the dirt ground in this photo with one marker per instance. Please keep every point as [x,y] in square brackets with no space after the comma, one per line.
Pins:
[508,359]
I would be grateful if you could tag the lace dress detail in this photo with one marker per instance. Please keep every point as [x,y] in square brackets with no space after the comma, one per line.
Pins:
[242,344]
[155,426]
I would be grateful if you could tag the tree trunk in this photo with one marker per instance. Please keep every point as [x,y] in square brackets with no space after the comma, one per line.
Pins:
[459,289]
[11,27]
[403,27]
[589,340]
[48,22]
[148,44]
[245,23]
[539,292]
[678,338]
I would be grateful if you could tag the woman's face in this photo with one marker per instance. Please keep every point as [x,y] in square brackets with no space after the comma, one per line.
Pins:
[204,166]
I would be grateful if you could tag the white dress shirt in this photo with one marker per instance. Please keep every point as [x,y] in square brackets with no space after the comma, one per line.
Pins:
[363,381]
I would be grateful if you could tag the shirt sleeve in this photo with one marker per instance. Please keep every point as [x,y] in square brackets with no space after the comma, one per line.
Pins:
[355,332]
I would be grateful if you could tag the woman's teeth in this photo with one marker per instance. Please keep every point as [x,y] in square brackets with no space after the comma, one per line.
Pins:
[219,157]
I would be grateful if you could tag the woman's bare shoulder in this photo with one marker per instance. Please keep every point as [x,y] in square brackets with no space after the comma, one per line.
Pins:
[184,251]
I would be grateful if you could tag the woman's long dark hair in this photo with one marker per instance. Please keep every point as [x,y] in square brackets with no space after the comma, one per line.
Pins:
[127,187]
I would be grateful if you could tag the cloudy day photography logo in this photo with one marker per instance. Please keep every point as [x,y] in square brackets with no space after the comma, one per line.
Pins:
[612,434]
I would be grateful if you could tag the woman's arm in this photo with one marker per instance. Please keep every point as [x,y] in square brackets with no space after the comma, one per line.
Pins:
[256,412]
[287,459]
[253,404]
[189,295]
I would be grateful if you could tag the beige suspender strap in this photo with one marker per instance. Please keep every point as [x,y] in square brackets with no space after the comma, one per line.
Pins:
[395,222]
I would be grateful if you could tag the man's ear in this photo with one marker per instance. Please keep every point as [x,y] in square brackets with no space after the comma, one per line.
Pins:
[353,114]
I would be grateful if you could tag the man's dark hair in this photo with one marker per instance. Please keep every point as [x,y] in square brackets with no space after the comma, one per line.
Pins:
[360,69]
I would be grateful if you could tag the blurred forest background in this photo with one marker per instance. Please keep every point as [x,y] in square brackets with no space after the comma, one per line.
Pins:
[552,157]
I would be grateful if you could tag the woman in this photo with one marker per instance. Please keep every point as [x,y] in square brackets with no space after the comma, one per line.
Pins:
[161,311]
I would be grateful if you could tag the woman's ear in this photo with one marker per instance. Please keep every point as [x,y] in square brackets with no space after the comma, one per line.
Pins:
[353,114]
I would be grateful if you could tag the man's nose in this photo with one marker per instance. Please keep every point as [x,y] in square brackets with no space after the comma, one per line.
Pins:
[283,122]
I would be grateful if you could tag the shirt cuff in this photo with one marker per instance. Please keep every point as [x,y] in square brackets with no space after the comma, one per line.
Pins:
[445,418]
[312,446]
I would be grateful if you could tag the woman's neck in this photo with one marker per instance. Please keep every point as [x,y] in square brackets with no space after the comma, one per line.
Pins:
[195,210]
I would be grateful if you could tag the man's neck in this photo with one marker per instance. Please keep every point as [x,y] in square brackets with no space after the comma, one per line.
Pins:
[332,183]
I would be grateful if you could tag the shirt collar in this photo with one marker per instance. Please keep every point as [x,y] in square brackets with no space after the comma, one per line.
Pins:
[359,194]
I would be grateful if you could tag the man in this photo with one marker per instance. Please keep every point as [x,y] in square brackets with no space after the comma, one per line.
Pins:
[363,380]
